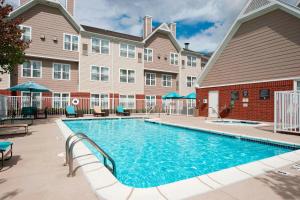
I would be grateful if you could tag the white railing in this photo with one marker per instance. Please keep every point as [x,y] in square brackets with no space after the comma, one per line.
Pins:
[287,112]
[56,105]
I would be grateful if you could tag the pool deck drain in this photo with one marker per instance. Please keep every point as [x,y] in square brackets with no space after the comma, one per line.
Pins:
[108,187]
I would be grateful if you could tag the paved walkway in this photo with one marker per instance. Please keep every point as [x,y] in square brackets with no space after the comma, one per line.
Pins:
[37,172]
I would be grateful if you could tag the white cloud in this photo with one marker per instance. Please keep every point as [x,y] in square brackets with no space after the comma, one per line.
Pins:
[126,16]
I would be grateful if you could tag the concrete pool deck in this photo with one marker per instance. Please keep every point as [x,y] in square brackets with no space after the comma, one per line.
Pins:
[42,168]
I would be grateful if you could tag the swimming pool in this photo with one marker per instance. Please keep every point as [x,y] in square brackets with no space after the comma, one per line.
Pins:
[149,154]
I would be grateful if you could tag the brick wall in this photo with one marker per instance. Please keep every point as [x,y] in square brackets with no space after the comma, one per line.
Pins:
[257,109]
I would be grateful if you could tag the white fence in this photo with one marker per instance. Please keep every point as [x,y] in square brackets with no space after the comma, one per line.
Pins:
[56,105]
[287,112]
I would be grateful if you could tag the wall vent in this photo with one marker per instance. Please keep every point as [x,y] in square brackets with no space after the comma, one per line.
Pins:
[256,4]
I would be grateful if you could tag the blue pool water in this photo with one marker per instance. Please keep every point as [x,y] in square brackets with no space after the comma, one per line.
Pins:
[149,154]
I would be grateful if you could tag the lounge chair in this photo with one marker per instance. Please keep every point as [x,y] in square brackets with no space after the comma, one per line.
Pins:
[121,111]
[5,151]
[25,126]
[98,112]
[70,112]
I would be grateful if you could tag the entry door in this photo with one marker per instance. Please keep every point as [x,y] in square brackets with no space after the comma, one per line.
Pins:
[213,103]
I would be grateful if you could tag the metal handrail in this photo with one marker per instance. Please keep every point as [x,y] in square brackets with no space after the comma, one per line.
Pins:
[215,110]
[82,137]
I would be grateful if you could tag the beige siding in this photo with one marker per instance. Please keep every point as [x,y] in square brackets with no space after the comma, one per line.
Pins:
[188,71]
[114,62]
[51,23]
[162,46]
[158,89]
[265,48]
[47,80]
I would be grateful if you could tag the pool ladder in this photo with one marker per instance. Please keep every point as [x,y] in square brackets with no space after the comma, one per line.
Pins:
[82,137]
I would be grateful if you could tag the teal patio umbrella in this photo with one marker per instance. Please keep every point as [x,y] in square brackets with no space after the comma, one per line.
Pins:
[29,87]
[172,95]
[190,96]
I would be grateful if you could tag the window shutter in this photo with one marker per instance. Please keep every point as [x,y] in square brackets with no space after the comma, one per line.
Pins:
[140,57]
[85,49]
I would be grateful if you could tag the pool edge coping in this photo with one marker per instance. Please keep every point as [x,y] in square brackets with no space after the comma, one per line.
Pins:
[97,174]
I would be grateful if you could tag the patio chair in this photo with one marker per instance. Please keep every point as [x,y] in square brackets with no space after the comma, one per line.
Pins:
[29,111]
[98,112]
[5,150]
[121,111]
[70,112]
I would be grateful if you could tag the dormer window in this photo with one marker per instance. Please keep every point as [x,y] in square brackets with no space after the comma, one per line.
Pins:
[148,55]
[191,61]
[71,42]
[26,34]
[174,58]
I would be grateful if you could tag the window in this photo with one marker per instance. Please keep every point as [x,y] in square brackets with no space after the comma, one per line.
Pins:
[297,85]
[203,63]
[26,35]
[101,100]
[190,81]
[71,42]
[148,55]
[174,59]
[127,76]
[99,73]
[100,46]
[191,61]
[127,101]
[32,69]
[150,101]
[264,94]
[36,99]
[61,71]
[61,100]
[127,50]
[150,79]
[167,80]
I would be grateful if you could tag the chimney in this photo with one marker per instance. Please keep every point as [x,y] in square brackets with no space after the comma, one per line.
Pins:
[186,45]
[172,27]
[147,25]
[70,6]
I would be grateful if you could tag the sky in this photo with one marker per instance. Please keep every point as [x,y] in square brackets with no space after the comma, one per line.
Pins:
[202,23]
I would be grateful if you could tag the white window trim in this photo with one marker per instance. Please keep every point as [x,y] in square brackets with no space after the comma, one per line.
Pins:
[60,106]
[61,79]
[295,84]
[91,66]
[127,76]
[147,56]
[135,52]
[191,81]
[151,99]
[22,26]
[150,81]
[31,68]
[22,94]
[71,42]
[108,99]
[187,59]
[91,41]
[127,100]
[171,58]
[162,80]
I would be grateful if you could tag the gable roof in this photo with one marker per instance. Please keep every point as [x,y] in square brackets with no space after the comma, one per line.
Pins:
[112,33]
[248,13]
[51,3]
[164,28]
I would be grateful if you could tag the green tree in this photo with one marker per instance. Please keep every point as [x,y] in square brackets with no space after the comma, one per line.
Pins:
[12,46]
